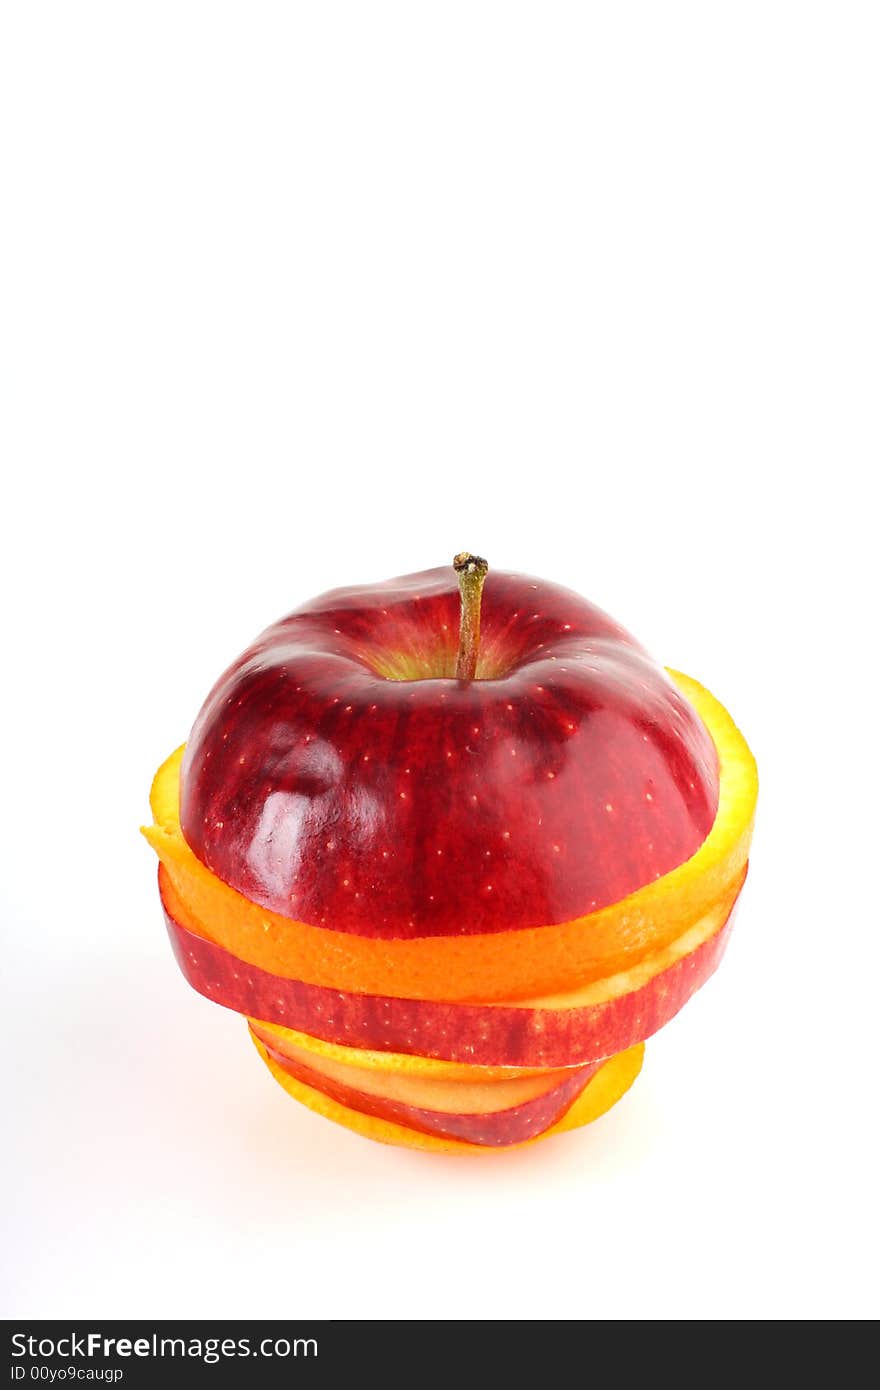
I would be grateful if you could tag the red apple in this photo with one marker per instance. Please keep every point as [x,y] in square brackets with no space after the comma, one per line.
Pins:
[340,774]
[567,1030]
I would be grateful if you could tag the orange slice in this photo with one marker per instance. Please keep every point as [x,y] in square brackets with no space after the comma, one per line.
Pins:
[612,1080]
[554,1031]
[499,966]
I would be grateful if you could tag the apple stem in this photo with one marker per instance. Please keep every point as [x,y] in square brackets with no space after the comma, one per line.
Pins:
[471,571]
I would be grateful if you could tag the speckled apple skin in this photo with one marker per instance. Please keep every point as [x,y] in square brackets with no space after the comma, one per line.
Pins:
[326,783]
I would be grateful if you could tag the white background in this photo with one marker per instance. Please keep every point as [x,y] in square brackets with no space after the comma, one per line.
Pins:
[300,295]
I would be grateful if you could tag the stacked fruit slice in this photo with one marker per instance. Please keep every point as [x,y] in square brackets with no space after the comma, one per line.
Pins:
[453,1040]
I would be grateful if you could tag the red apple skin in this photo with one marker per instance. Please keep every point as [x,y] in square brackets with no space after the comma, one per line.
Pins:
[481,1034]
[494,1129]
[570,774]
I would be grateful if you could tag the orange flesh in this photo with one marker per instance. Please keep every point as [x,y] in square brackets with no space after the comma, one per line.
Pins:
[610,1082]
[505,966]
[597,992]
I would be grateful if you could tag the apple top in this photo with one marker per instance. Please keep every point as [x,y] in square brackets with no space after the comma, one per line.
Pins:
[338,772]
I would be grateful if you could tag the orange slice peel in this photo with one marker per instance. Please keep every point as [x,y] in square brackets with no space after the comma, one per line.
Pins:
[502,966]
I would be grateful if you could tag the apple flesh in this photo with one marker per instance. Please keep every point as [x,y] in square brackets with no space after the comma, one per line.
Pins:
[477,1094]
[340,776]
[495,1128]
[558,1031]
[611,1081]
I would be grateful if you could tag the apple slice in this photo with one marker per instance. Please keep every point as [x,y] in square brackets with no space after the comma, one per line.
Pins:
[292,1041]
[497,1127]
[581,1026]
[472,1095]
[499,966]
[613,1078]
